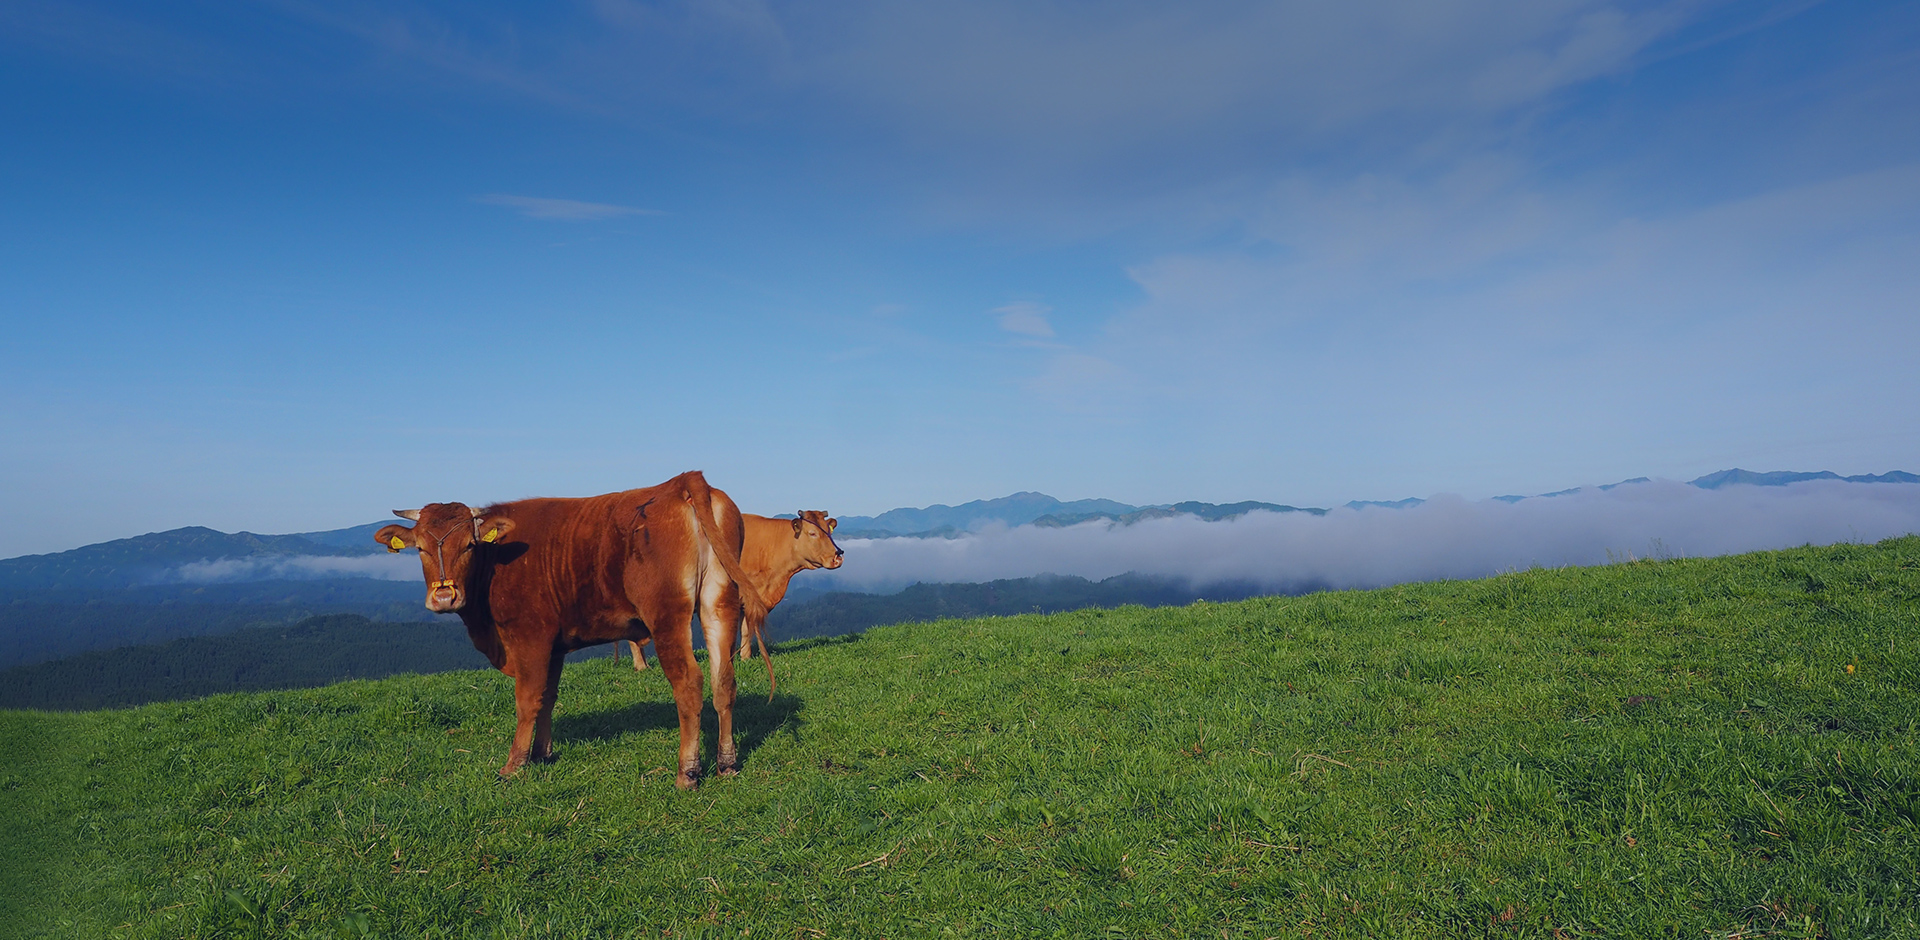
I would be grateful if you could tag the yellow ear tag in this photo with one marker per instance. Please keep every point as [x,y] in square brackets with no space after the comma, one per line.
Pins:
[396,543]
[491,535]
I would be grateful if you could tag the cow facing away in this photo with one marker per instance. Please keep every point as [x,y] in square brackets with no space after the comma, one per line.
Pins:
[775,550]
[537,578]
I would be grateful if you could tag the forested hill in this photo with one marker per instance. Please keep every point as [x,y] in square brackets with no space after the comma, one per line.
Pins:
[250,655]
[314,652]
[43,625]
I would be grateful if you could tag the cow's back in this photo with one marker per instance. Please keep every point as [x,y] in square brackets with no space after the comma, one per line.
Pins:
[572,563]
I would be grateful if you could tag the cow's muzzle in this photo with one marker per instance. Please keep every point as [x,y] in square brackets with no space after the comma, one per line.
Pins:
[443,596]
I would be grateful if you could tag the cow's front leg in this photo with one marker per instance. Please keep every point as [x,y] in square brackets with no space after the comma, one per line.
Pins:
[639,655]
[543,724]
[530,700]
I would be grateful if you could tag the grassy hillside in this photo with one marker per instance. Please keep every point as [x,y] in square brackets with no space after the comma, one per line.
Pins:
[1690,748]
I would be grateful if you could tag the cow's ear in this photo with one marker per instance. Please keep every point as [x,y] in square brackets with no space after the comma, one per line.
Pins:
[797,523]
[494,529]
[394,537]
[831,522]
[411,515]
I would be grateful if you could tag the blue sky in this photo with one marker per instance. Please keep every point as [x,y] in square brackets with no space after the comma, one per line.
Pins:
[281,266]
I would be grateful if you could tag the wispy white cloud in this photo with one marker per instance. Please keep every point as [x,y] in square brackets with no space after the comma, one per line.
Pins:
[1446,537]
[1471,322]
[401,567]
[1025,317]
[564,210]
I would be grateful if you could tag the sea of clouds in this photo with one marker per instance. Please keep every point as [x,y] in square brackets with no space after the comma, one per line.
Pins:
[1446,537]
[402,567]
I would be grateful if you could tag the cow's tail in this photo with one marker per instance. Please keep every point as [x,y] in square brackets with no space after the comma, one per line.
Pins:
[700,494]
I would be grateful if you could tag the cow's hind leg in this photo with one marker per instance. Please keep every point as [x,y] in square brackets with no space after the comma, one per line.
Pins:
[639,655]
[720,617]
[673,645]
[532,702]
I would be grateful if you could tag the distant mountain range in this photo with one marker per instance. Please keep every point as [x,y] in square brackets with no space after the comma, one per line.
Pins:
[1039,509]
[148,559]
[158,558]
[197,581]
[1714,481]
[1028,508]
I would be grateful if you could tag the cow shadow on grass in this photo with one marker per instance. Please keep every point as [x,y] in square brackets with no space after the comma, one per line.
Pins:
[754,720]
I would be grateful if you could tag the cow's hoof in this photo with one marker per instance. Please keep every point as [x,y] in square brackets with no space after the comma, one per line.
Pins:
[727,765]
[689,776]
[509,770]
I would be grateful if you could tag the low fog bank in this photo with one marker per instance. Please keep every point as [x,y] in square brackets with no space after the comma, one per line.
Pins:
[401,567]
[1446,537]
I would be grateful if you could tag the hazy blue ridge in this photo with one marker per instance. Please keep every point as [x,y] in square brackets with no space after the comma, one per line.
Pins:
[1217,511]
[1407,503]
[353,540]
[1061,520]
[1714,481]
[1211,512]
[140,560]
[858,532]
[1017,509]
[1711,481]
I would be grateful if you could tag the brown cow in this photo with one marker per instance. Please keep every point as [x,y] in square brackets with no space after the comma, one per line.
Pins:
[775,551]
[580,572]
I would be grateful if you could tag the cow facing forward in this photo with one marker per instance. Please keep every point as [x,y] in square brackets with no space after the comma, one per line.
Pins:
[537,578]
[775,550]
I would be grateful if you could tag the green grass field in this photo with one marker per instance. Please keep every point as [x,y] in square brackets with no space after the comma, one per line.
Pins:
[1688,748]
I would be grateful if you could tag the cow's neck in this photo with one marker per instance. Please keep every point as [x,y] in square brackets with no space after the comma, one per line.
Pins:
[776,586]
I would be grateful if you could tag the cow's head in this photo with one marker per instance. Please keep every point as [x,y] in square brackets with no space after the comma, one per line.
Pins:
[448,536]
[813,535]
